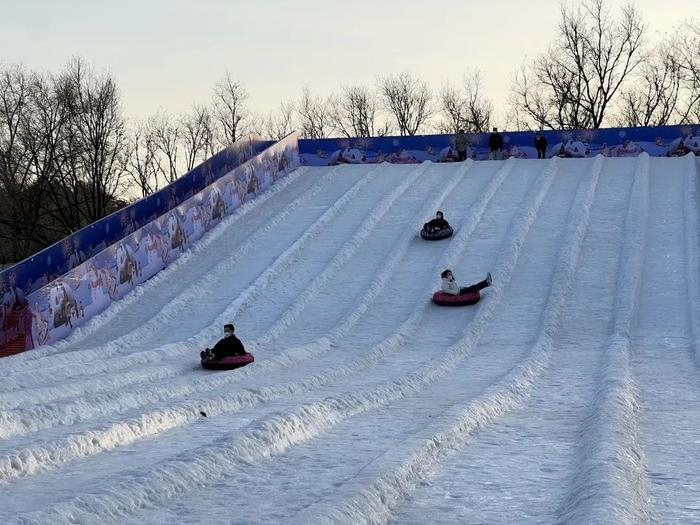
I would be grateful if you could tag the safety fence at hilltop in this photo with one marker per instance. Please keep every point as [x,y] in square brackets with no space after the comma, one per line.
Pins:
[609,142]
[48,313]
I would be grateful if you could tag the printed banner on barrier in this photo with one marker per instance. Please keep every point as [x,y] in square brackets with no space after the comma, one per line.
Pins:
[50,313]
[45,266]
[610,142]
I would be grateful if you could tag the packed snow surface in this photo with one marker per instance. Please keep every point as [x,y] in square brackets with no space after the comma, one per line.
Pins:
[569,394]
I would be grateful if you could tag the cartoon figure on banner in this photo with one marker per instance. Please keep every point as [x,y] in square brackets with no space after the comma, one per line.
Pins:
[447,154]
[178,238]
[126,263]
[628,148]
[98,288]
[402,157]
[264,173]
[157,249]
[692,143]
[283,162]
[514,151]
[252,180]
[570,149]
[62,304]
[40,325]
[73,253]
[677,148]
[16,319]
[237,193]
[217,204]
[198,220]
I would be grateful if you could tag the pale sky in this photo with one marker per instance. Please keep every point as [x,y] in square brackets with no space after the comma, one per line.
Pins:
[168,54]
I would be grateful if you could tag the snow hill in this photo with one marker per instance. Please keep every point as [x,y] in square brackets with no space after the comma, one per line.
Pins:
[569,394]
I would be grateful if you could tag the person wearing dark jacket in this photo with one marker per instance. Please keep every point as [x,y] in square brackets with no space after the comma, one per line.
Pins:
[229,346]
[462,145]
[540,145]
[438,223]
[495,145]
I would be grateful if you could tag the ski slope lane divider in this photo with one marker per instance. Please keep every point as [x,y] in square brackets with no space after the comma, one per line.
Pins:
[52,454]
[208,463]
[611,484]
[349,249]
[51,354]
[375,503]
[692,253]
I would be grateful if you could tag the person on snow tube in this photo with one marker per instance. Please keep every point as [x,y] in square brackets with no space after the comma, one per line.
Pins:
[437,224]
[230,345]
[450,286]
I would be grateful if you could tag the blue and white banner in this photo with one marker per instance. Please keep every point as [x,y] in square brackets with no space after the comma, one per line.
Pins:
[49,313]
[610,142]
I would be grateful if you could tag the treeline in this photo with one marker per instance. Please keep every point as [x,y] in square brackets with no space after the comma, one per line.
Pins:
[69,157]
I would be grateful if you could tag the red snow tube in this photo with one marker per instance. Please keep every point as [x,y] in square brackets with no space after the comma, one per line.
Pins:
[229,363]
[447,299]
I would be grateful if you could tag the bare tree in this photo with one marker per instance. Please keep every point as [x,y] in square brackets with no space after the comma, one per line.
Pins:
[408,100]
[167,136]
[575,84]
[94,146]
[15,157]
[464,108]
[197,136]
[314,116]
[652,99]
[355,112]
[276,125]
[229,110]
[688,52]
[144,164]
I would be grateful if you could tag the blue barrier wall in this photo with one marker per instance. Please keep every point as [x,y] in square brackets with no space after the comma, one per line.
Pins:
[50,313]
[37,271]
[612,142]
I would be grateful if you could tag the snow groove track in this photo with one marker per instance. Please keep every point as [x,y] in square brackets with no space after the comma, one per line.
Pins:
[611,454]
[366,402]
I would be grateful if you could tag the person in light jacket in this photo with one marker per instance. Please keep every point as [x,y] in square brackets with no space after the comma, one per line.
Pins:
[450,286]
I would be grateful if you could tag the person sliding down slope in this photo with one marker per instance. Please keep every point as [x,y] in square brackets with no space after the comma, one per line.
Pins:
[450,286]
[230,345]
[438,223]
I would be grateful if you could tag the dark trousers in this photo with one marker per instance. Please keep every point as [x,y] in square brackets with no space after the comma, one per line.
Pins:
[540,153]
[462,155]
[474,287]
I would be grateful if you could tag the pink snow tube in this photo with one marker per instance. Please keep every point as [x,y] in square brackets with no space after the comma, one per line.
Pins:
[447,299]
[229,363]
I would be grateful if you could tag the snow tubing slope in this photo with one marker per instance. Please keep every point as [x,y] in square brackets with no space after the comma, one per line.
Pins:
[437,235]
[229,363]
[446,299]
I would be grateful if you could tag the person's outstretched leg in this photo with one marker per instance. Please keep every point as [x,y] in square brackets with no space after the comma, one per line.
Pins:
[478,286]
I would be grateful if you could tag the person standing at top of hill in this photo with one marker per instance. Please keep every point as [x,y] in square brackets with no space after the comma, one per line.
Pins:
[540,145]
[495,145]
[462,145]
